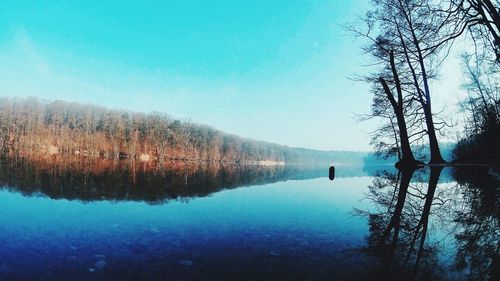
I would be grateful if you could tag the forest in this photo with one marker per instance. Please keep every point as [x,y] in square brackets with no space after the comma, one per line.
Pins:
[35,126]
[408,42]
[31,126]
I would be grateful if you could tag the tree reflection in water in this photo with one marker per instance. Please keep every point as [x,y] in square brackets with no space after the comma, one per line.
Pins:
[155,182]
[427,229]
[478,231]
[90,179]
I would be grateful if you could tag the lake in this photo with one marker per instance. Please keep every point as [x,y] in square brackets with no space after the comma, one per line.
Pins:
[119,220]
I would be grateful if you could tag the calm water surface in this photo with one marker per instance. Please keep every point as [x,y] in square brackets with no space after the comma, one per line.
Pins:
[278,223]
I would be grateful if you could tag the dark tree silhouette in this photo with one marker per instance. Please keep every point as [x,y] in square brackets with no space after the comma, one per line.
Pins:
[482,17]
[398,233]
[407,159]
[412,204]
[419,34]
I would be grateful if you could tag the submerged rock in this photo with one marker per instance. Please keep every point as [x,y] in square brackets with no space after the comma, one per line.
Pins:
[186,262]
[100,264]
[274,254]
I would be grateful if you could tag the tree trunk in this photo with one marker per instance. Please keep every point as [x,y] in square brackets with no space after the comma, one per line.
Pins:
[407,158]
[395,222]
[424,220]
[436,157]
[426,105]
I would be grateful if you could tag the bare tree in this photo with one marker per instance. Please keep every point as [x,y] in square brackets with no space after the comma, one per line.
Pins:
[483,19]
[418,33]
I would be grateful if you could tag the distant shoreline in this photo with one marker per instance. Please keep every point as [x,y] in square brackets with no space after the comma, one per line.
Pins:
[67,128]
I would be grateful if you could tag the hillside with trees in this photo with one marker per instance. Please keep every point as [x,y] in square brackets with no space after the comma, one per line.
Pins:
[33,126]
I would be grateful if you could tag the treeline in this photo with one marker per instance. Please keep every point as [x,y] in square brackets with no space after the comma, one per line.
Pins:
[481,138]
[33,126]
[408,40]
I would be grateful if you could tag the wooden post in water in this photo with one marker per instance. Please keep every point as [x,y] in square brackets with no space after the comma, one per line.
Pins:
[331,173]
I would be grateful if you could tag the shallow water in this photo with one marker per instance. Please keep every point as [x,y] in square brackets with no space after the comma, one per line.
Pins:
[297,229]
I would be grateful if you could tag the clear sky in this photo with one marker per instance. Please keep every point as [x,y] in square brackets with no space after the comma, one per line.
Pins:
[270,70]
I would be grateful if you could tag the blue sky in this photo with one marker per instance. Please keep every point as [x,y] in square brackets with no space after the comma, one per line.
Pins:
[270,70]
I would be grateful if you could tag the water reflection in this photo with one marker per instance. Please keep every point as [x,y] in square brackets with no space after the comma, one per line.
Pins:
[426,224]
[293,230]
[90,179]
[478,237]
[426,229]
